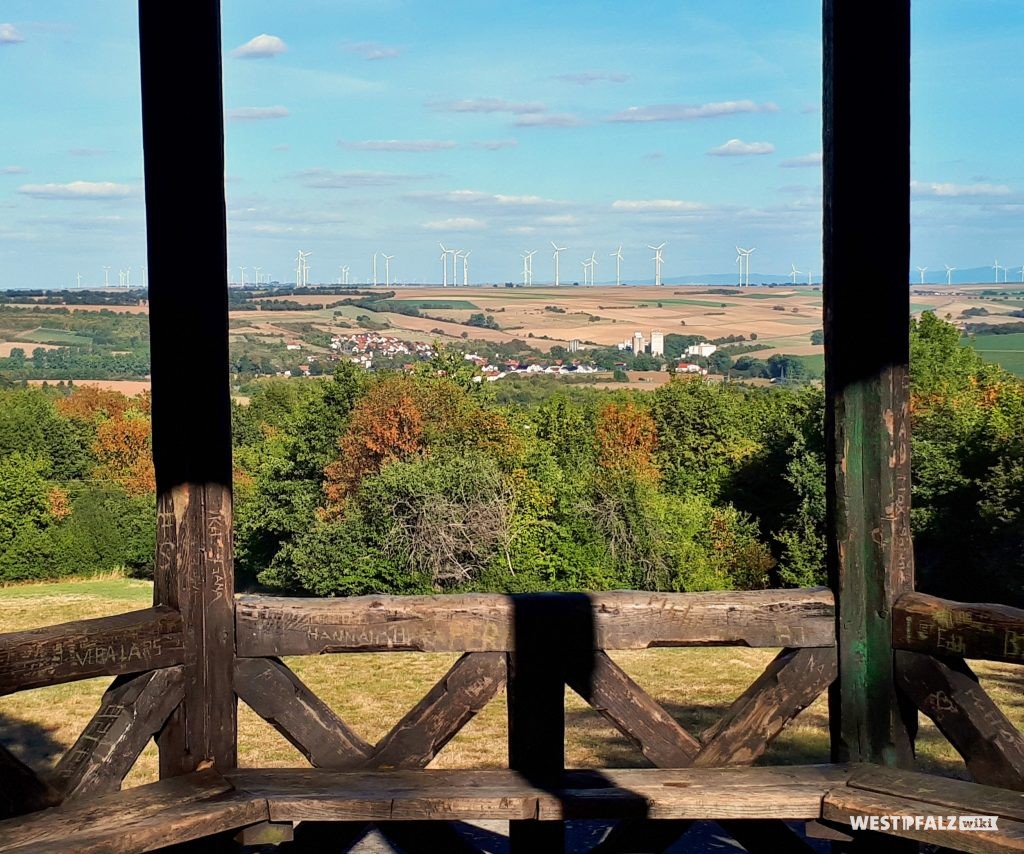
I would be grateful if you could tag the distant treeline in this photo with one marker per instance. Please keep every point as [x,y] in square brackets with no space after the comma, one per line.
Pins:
[130,296]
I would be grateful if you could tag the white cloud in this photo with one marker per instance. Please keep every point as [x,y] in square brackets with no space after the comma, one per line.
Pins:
[496,144]
[585,77]
[804,160]
[957,191]
[255,114]
[690,112]
[373,51]
[89,190]
[457,223]
[326,179]
[13,170]
[643,205]
[409,145]
[488,105]
[549,120]
[260,47]
[475,197]
[739,148]
[9,34]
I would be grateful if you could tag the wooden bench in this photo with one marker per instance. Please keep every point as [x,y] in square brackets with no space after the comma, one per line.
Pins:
[884,792]
[206,803]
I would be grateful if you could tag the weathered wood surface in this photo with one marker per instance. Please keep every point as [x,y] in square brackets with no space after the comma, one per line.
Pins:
[269,626]
[104,646]
[21,789]
[464,690]
[792,681]
[949,693]
[277,695]
[867,215]
[971,798]
[131,712]
[634,713]
[185,204]
[842,803]
[715,793]
[140,819]
[923,623]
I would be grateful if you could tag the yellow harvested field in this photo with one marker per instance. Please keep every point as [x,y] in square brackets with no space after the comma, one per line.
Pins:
[26,346]
[126,387]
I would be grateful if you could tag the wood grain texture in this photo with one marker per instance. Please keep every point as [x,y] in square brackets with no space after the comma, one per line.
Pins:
[461,693]
[789,685]
[21,789]
[104,646]
[140,819]
[634,713]
[191,403]
[131,712]
[841,803]
[278,696]
[949,693]
[269,626]
[971,798]
[923,623]
[867,221]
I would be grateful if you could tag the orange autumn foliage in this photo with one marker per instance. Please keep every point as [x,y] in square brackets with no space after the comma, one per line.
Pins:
[58,503]
[124,453]
[384,426]
[626,437]
[89,403]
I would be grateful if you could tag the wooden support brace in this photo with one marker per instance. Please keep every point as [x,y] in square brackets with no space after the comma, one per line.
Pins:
[790,684]
[633,712]
[131,712]
[461,693]
[278,696]
[949,693]
[21,789]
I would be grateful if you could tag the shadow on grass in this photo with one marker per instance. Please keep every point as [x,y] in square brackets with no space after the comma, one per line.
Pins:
[28,741]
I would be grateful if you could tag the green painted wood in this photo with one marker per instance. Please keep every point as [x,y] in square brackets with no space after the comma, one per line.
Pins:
[866,322]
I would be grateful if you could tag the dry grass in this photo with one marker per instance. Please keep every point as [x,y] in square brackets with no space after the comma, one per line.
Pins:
[372,691]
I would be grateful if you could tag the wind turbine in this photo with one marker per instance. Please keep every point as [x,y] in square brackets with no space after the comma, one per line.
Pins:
[795,272]
[1022,274]
[528,267]
[557,249]
[617,255]
[745,263]
[739,265]
[922,271]
[465,268]
[128,277]
[455,267]
[658,261]
[949,274]
[106,277]
[997,267]
[345,274]
[585,263]
[375,269]
[145,276]
[78,276]
[257,271]
[387,269]
[444,263]
[243,269]
[593,265]
[810,275]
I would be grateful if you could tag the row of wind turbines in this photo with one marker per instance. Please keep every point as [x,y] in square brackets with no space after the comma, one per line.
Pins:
[996,266]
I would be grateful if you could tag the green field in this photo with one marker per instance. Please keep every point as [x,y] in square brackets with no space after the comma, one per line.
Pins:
[457,304]
[771,296]
[707,303]
[1005,350]
[53,336]
[918,307]
[815,365]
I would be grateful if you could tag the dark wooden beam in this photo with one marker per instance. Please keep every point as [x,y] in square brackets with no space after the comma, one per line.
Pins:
[923,623]
[278,696]
[866,322]
[454,701]
[185,211]
[131,712]
[104,646]
[21,789]
[949,693]
[271,626]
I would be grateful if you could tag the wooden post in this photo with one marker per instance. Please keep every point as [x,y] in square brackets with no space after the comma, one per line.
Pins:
[183,138]
[866,307]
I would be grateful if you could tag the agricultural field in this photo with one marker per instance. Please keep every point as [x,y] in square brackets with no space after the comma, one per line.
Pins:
[372,691]
[58,337]
[1005,350]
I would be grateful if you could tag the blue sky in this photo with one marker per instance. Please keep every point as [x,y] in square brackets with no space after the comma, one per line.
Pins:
[388,125]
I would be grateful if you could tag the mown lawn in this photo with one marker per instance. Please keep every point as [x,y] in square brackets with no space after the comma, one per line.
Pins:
[372,691]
